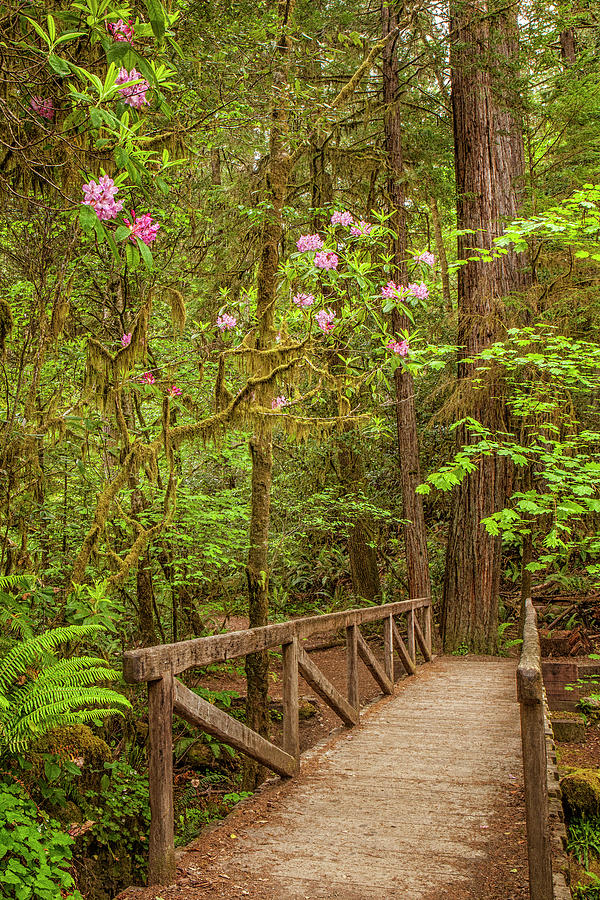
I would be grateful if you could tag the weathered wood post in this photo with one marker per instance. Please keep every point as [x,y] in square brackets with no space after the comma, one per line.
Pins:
[410,637]
[161,865]
[352,666]
[427,628]
[388,648]
[533,739]
[291,730]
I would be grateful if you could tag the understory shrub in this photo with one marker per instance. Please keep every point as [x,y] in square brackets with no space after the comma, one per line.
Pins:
[35,853]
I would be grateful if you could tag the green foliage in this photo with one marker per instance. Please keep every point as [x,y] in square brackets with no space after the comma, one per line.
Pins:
[589,891]
[35,853]
[39,692]
[120,811]
[550,379]
[583,840]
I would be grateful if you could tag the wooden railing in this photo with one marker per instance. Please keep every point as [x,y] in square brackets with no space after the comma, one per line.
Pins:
[530,691]
[166,695]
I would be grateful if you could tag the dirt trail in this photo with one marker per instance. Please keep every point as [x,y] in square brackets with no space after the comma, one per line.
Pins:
[421,802]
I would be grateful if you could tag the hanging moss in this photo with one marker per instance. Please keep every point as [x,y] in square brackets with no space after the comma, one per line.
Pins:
[178,312]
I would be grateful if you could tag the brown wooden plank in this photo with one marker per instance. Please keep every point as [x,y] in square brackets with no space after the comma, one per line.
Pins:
[373,665]
[214,721]
[161,847]
[324,688]
[403,653]
[352,666]
[149,663]
[291,729]
[388,648]
[410,635]
[421,641]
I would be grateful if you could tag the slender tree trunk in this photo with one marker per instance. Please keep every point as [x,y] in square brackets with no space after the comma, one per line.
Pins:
[144,586]
[261,444]
[440,251]
[568,46]
[486,153]
[362,536]
[415,535]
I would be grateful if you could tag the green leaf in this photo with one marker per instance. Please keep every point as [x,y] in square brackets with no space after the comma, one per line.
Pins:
[146,253]
[58,65]
[88,218]
[157,18]
[51,770]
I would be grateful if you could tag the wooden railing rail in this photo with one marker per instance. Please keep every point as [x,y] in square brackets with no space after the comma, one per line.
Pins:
[167,695]
[530,692]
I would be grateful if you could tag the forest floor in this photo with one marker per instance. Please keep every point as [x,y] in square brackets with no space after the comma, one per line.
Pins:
[206,868]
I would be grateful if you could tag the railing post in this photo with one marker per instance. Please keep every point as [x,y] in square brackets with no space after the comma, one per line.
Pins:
[388,648]
[427,628]
[352,666]
[161,866]
[291,731]
[533,740]
[410,637]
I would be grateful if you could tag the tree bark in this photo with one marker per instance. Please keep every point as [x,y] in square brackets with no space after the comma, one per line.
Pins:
[261,444]
[415,536]
[487,176]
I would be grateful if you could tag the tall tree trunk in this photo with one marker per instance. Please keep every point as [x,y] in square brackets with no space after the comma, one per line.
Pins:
[261,444]
[415,536]
[486,154]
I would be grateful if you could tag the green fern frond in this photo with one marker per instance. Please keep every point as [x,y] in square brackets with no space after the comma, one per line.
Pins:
[72,695]
[8,582]
[27,653]
[21,738]
[59,692]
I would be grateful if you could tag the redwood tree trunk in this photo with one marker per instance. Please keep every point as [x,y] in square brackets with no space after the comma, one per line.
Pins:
[415,536]
[487,176]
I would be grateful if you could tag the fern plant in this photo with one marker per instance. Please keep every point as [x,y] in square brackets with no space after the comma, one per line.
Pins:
[39,692]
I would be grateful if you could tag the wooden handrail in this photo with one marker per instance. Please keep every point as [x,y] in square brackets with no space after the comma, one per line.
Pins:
[530,692]
[167,695]
[149,663]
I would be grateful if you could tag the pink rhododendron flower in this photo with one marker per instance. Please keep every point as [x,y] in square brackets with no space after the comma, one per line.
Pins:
[174,391]
[420,291]
[134,94]
[101,197]
[325,320]
[361,228]
[226,322]
[425,257]
[327,259]
[121,31]
[309,242]
[44,108]
[399,347]
[392,291]
[144,228]
[147,378]
[125,340]
[303,300]
[279,402]
[342,218]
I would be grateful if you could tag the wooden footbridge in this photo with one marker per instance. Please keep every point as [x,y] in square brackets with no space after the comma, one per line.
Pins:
[398,807]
